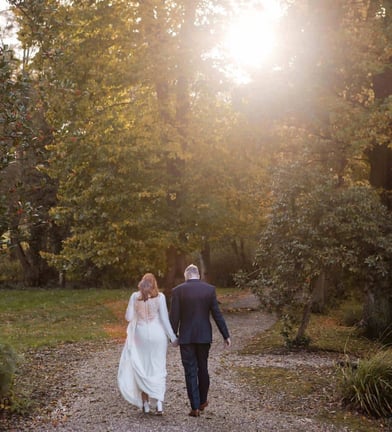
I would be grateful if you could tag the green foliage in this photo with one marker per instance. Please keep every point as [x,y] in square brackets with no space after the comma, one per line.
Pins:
[144,145]
[26,192]
[315,227]
[135,111]
[368,386]
[10,269]
[289,334]
[7,369]
[350,313]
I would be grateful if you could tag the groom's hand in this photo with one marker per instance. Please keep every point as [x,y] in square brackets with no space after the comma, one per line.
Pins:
[228,342]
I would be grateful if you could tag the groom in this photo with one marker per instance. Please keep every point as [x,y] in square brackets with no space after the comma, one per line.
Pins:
[192,303]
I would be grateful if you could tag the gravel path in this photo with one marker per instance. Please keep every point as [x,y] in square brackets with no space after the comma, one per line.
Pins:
[89,401]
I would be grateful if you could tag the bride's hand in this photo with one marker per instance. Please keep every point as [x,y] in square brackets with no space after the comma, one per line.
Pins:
[174,343]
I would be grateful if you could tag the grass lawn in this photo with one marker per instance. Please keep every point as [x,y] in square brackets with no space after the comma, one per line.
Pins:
[326,334]
[43,317]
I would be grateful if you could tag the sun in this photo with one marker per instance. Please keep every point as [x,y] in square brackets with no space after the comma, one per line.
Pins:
[251,37]
[250,40]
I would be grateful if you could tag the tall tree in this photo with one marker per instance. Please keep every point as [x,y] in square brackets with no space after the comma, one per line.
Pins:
[27,191]
[137,117]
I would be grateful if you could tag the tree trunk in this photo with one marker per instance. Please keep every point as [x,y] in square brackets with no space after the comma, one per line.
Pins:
[30,273]
[305,321]
[377,315]
[380,159]
[205,262]
[175,261]
[319,288]
[244,260]
[235,248]
[62,279]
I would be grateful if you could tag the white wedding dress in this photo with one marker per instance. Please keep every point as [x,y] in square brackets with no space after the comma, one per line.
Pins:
[142,365]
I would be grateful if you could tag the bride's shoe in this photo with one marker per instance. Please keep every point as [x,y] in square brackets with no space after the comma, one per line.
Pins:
[159,408]
[146,407]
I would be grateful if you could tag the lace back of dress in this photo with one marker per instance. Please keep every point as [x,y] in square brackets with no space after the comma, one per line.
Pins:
[148,310]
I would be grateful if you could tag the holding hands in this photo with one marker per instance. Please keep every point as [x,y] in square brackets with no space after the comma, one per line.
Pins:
[174,343]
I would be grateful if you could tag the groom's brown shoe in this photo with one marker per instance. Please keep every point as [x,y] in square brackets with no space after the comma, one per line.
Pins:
[203,405]
[194,413]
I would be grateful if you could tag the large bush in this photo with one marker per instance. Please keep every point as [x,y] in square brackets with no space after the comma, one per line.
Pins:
[316,230]
[368,387]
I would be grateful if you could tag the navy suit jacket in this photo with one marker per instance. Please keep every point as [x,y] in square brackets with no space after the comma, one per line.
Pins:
[191,305]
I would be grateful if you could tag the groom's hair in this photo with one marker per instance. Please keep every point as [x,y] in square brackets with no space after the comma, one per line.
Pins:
[191,272]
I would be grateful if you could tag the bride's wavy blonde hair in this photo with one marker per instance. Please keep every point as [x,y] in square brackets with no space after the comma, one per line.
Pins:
[148,287]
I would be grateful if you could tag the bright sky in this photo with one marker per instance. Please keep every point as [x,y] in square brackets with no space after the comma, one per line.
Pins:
[251,37]
[5,38]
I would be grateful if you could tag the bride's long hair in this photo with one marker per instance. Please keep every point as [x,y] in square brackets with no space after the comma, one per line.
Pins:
[148,287]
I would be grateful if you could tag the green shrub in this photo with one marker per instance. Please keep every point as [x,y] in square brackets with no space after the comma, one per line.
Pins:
[7,369]
[367,387]
[10,270]
[289,333]
[350,313]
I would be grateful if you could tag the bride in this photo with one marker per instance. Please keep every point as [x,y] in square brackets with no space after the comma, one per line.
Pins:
[142,369]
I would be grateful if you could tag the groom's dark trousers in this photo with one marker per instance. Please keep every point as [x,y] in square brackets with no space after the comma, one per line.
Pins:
[195,361]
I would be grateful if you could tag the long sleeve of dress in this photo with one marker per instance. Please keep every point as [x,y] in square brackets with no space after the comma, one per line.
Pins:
[164,316]
[130,313]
